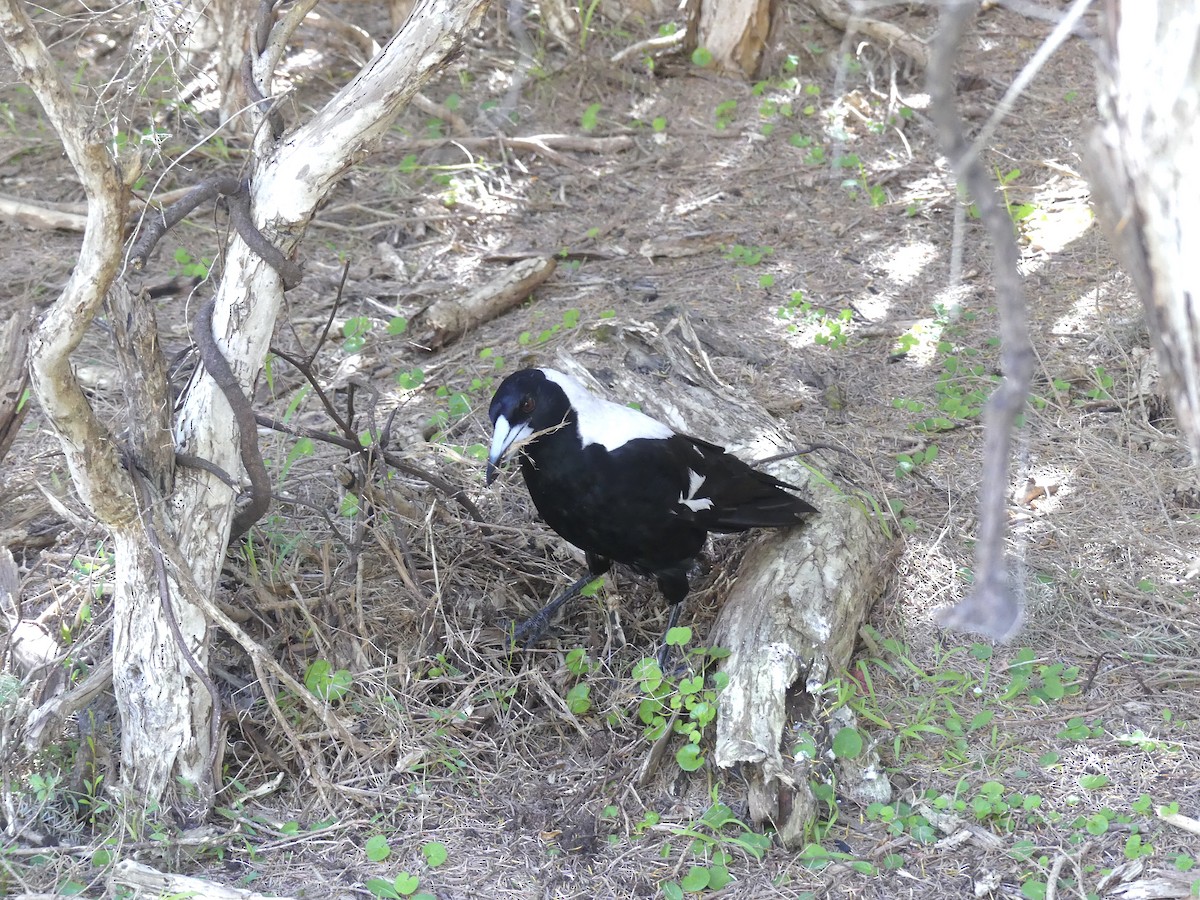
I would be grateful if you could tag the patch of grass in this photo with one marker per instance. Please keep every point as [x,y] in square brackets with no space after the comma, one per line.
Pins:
[829,330]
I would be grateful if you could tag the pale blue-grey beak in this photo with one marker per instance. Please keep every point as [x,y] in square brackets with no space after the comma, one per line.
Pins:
[502,439]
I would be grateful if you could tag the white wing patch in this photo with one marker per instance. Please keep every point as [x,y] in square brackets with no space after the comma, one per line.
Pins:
[695,482]
[603,422]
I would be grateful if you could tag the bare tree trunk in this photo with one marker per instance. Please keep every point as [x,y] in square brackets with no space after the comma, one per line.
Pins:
[170,533]
[734,31]
[1146,181]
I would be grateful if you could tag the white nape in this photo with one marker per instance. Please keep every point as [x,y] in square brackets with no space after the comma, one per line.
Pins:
[603,422]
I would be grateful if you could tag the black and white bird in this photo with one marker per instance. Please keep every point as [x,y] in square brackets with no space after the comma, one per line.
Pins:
[624,487]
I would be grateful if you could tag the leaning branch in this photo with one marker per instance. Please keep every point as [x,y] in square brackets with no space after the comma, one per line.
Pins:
[88,446]
[992,608]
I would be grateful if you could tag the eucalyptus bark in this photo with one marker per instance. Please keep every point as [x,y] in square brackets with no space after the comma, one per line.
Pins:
[1142,167]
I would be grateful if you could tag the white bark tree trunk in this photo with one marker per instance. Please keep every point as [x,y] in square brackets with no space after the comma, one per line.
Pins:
[164,704]
[734,31]
[1146,180]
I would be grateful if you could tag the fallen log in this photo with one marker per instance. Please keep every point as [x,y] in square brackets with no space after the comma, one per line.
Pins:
[799,596]
[448,319]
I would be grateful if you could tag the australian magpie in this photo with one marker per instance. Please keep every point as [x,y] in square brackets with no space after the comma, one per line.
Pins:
[624,487]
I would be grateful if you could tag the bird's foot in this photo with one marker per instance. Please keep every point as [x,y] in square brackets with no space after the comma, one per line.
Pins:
[529,632]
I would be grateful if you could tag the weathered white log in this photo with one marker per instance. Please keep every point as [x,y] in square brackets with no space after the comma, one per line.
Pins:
[1142,167]
[892,37]
[154,883]
[792,616]
[30,215]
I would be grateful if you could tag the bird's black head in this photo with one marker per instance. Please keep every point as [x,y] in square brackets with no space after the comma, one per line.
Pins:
[526,403]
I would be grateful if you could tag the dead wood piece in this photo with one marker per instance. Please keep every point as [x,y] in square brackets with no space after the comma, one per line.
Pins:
[128,873]
[892,36]
[735,32]
[447,320]
[45,723]
[14,376]
[794,612]
[538,143]
[679,246]
[29,215]
[658,44]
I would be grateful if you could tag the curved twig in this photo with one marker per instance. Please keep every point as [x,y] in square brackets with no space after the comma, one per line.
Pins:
[172,215]
[237,194]
[243,413]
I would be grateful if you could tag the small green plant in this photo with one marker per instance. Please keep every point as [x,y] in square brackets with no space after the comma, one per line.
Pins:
[712,837]
[189,266]
[747,256]
[833,332]
[875,194]
[586,11]
[354,333]
[907,463]
[590,117]
[1018,212]
[570,320]
[686,705]
[324,682]
[410,380]
[723,114]
[579,664]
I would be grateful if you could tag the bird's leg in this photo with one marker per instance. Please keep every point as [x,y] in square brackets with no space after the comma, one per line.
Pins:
[664,653]
[527,633]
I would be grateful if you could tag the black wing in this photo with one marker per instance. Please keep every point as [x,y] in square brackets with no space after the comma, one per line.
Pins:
[724,494]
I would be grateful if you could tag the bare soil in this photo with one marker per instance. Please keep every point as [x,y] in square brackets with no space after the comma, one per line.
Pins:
[803,227]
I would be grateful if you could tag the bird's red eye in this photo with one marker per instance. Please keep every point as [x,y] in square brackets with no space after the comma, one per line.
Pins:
[526,406]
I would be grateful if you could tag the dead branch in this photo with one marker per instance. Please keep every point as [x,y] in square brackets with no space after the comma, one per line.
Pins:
[29,215]
[891,36]
[448,319]
[14,376]
[151,882]
[535,143]
[993,607]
